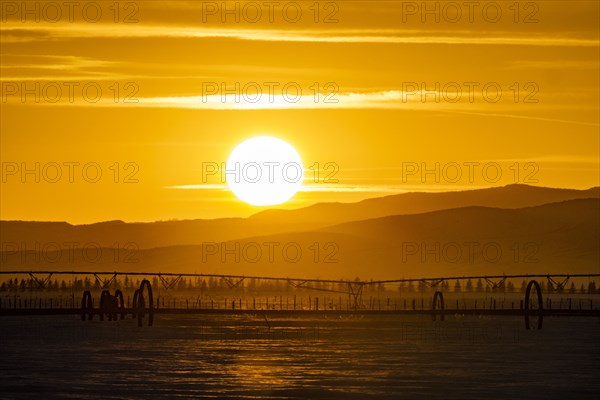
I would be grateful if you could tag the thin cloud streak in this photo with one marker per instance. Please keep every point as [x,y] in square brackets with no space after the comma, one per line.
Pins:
[391,99]
[527,117]
[333,188]
[18,33]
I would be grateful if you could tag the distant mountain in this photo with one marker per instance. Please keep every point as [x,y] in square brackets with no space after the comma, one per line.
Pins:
[189,232]
[561,237]
[510,196]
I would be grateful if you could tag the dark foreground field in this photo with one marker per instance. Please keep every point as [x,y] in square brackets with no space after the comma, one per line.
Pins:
[313,357]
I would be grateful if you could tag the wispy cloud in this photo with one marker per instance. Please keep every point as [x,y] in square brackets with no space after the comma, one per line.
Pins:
[328,188]
[561,64]
[12,32]
[52,62]
[414,100]
[335,188]
[526,117]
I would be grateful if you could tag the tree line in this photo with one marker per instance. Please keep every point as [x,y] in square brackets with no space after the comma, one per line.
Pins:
[212,284]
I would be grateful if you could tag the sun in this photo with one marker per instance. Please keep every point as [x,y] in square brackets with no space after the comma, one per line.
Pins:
[264,171]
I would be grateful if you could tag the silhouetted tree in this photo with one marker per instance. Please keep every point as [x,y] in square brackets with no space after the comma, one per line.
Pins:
[592,287]
[523,286]
[457,287]
[510,287]
[479,285]
[469,286]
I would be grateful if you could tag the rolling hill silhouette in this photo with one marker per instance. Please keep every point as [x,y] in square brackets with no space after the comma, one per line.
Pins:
[28,234]
[560,237]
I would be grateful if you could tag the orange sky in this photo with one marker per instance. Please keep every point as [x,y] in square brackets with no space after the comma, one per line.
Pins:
[162,113]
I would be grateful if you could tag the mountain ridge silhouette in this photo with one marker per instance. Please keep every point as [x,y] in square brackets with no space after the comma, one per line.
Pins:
[189,232]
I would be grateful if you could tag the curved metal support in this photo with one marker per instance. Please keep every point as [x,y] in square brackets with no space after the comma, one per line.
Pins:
[134,305]
[87,305]
[120,302]
[438,297]
[540,310]
[104,305]
[141,303]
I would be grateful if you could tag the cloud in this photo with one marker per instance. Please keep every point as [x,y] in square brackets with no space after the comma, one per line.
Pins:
[334,188]
[414,100]
[35,32]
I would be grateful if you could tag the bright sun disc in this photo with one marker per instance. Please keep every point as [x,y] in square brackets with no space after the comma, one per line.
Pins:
[264,171]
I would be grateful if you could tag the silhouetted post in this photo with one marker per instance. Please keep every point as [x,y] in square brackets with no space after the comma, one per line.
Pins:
[294,302]
[254,302]
[317,303]
[414,304]
[309,303]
